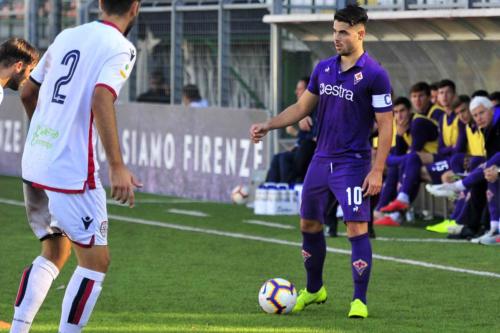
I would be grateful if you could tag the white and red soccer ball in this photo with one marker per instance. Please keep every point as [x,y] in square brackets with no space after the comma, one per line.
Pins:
[277,296]
[239,195]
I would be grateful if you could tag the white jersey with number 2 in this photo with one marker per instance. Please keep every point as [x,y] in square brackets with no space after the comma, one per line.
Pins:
[59,150]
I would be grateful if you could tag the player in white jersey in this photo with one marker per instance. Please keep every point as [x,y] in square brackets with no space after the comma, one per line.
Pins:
[17,59]
[74,87]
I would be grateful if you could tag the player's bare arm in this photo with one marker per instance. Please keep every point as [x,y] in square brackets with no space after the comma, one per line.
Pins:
[29,97]
[122,180]
[373,181]
[289,116]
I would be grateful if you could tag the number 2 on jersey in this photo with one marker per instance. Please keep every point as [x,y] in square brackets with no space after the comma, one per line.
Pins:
[73,57]
[354,193]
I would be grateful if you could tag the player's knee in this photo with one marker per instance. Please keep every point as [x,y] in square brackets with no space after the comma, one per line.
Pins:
[310,226]
[356,228]
[101,263]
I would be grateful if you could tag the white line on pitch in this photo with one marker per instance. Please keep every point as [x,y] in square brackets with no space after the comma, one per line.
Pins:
[153,201]
[187,212]
[269,224]
[415,240]
[282,242]
[297,244]
[12,202]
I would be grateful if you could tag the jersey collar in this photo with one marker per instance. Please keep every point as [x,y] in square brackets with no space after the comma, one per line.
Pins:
[111,24]
[360,63]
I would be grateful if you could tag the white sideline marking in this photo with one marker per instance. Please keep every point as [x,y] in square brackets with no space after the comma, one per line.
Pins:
[269,224]
[12,202]
[280,241]
[153,201]
[297,244]
[415,240]
[187,212]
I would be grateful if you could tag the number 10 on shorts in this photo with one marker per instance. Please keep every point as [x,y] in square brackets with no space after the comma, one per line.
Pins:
[354,193]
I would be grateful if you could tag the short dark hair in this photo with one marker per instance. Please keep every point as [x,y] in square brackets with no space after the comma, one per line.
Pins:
[117,7]
[480,92]
[434,86]
[404,101]
[352,14]
[495,96]
[421,87]
[305,79]
[461,99]
[447,83]
[192,92]
[17,49]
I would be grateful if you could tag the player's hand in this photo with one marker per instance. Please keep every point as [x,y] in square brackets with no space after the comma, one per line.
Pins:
[448,177]
[123,183]
[373,183]
[491,174]
[291,130]
[258,131]
[306,124]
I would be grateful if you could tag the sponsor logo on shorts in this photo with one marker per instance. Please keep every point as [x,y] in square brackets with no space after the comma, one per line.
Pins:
[306,255]
[355,209]
[104,228]
[360,265]
[87,221]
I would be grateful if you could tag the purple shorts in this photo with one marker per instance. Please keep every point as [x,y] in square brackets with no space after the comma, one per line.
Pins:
[437,168]
[343,179]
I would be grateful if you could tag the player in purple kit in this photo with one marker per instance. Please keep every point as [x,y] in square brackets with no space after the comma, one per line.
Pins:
[351,90]
[436,162]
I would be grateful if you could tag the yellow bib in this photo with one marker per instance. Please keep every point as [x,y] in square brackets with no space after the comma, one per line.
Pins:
[433,110]
[449,132]
[475,142]
[429,147]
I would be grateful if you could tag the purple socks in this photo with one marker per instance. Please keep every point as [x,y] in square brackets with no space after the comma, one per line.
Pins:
[314,253]
[361,261]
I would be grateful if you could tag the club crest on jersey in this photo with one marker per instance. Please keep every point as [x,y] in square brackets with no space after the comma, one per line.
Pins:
[360,265]
[327,70]
[306,255]
[358,77]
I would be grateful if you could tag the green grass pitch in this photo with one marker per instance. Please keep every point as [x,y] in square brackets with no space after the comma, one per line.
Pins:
[165,279]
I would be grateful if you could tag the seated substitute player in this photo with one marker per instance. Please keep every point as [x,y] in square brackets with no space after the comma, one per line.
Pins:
[482,112]
[402,120]
[420,96]
[417,135]
[461,162]
[74,85]
[17,59]
[351,91]
[436,162]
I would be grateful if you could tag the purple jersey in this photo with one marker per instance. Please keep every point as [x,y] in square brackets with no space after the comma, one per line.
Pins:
[347,104]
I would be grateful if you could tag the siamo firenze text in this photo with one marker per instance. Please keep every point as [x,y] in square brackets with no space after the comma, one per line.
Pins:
[195,153]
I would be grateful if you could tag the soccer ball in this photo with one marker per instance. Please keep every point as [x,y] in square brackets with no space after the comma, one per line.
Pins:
[239,195]
[277,296]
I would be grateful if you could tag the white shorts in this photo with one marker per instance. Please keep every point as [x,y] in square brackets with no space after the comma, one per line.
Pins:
[82,217]
[37,210]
